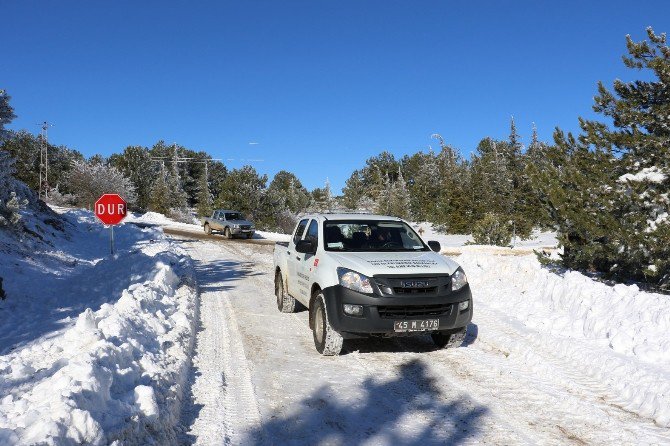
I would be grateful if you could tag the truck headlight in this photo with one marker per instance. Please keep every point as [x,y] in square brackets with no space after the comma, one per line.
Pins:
[458,280]
[354,281]
[236,226]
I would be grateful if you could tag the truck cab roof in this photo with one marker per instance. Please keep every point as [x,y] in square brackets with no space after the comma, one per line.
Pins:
[322,216]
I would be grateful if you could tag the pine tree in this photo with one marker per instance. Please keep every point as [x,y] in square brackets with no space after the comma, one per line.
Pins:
[385,192]
[135,163]
[178,196]
[532,208]
[576,186]
[422,174]
[6,113]
[491,178]
[640,138]
[452,210]
[290,191]
[322,198]
[354,191]
[160,193]
[243,190]
[400,199]
[10,203]
[24,147]
[205,202]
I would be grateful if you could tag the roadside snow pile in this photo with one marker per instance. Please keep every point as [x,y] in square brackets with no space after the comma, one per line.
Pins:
[156,219]
[538,239]
[619,333]
[95,349]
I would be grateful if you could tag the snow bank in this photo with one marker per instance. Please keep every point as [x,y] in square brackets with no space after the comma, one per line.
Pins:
[99,347]
[462,242]
[154,218]
[619,333]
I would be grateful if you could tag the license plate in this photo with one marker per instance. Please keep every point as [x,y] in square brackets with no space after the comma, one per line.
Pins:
[416,325]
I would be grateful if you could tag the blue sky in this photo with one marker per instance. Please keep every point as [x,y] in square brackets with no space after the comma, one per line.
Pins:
[319,85]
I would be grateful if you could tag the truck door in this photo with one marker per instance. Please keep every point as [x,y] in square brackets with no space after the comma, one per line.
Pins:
[216,221]
[306,265]
[293,258]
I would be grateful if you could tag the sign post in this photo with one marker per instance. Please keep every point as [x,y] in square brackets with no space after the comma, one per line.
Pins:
[111,209]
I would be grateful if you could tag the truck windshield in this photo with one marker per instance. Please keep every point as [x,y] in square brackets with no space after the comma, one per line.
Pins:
[234,216]
[371,236]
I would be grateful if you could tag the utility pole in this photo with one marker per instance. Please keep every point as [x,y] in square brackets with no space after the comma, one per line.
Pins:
[44,161]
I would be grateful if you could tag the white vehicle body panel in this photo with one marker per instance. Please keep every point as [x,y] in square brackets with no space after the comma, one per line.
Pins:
[300,272]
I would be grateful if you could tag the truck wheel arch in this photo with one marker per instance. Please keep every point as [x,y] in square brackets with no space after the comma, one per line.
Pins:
[316,289]
[279,271]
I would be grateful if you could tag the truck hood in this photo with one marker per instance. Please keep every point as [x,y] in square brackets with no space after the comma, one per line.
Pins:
[239,222]
[373,263]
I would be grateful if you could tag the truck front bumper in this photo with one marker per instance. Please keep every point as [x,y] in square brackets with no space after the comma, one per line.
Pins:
[380,312]
[240,231]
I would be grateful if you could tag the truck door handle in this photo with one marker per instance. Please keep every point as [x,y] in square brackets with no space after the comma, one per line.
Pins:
[288,252]
[297,257]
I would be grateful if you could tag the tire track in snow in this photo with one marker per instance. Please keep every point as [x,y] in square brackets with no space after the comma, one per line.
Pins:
[222,393]
[544,389]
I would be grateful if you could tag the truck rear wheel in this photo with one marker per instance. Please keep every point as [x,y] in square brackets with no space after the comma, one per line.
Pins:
[227,233]
[208,229]
[449,339]
[285,303]
[327,341]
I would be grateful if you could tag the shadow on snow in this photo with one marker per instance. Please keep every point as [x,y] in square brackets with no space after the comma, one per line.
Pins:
[408,410]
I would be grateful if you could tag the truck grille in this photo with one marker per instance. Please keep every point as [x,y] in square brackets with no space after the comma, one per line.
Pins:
[400,290]
[245,227]
[412,311]
[414,285]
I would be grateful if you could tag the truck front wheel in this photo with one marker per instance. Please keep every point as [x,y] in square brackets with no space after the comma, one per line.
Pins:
[285,303]
[327,341]
[227,233]
[449,339]
[208,229]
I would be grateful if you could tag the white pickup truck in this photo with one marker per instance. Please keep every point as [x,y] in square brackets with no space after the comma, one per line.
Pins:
[363,275]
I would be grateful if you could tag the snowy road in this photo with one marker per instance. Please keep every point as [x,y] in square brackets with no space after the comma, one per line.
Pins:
[257,378]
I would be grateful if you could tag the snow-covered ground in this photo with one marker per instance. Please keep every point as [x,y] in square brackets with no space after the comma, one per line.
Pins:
[94,349]
[552,357]
[543,363]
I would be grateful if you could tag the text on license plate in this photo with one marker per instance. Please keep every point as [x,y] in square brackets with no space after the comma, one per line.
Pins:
[416,325]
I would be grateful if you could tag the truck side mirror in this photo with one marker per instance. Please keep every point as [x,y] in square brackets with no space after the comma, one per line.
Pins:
[305,247]
[435,246]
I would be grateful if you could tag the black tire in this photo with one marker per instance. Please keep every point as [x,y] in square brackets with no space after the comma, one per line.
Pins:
[227,233]
[249,236]
[285,303]
[449,339]
[208,229]
[327,341]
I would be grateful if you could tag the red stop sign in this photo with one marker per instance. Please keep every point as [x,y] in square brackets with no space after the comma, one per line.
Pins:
[110,209]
